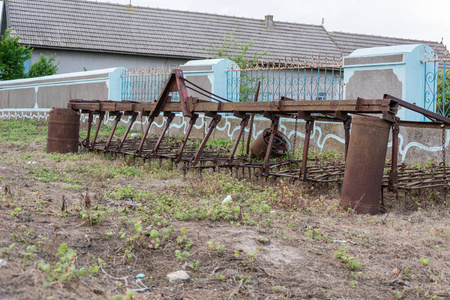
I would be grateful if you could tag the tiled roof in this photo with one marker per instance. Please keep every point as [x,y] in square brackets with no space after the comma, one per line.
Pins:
[349,42]
[97,26]
[106,27]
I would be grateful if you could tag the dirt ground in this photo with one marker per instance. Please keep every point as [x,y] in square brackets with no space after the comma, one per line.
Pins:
[136,223]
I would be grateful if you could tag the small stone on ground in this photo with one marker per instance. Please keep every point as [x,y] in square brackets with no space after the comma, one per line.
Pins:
[178,277]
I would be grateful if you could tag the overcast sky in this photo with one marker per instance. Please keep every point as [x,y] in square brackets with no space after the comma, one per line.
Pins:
[413,19]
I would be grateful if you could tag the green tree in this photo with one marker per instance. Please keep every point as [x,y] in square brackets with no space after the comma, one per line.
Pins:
[238,52]
[43,66]
[443,93]
[12,57]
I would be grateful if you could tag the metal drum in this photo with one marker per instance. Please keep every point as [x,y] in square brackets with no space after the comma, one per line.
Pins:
[63,130]
[364,165]
[281,145]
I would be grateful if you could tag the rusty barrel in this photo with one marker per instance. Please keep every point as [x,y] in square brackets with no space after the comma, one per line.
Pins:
[63,130]
[364,165]
[281,145]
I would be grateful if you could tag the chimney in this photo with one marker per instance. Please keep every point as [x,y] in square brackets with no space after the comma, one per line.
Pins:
[269,22]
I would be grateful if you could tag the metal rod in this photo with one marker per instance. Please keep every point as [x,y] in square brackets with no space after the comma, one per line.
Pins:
[393,176]
[144,136]
[111,135]
[130,125]
[347,125]
[250,130]
[238,138]
[179,154]
[273,131]
[100,120]
[216,119]
[90,119]
[308,128]
[158,143]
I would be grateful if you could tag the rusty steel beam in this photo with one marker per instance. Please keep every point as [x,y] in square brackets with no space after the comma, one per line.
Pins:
[434,117]
[373,106]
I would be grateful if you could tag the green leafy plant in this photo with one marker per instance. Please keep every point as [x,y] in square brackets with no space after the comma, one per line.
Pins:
[239,52]
[183,240]
[6,250]
[194,264]
[29,253]
[347,259]
[251,257]
[63,269]
[424,261]
[443,93]
[405,272]
[12,57]
[155,235]
[315,234]
[44,66]
[220,276]
[94,214]
[263,241]
[182,256]
[210,243]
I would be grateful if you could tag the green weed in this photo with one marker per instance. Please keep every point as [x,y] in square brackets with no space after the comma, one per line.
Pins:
[347,259]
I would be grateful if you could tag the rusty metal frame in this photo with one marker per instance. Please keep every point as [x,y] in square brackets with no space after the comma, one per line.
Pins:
[310,111]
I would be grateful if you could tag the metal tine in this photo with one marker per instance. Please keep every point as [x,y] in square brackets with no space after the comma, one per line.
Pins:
[170,117]
[130,125]
[111,135]
[244,123]
[100,120]
[179,154]
[273,131]
[144,136]
[90,119]
[216,119]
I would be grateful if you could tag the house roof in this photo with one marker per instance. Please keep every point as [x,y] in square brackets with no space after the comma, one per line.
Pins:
[98,26]
[106,27]
[349,42]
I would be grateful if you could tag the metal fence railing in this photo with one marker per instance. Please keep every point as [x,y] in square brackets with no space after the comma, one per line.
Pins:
[144,84]
[299,79]
[437,82]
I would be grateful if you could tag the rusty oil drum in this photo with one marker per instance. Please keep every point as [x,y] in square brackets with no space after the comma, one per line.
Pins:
[364,165]
[281,145]
[63,130]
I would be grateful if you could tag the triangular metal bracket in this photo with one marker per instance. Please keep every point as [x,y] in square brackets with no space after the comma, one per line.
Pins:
[175,83]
